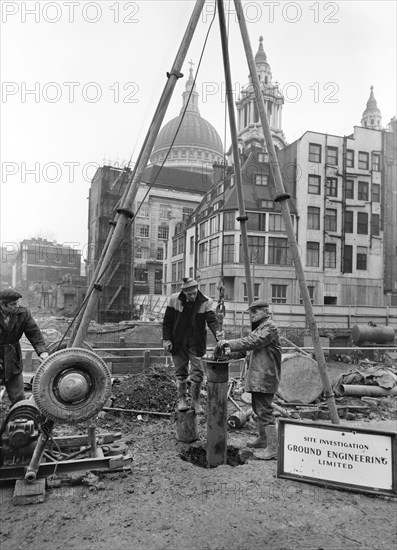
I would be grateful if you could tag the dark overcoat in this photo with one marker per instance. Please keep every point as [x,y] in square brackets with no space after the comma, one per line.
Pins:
[175,325]
[264,368]
[20,322]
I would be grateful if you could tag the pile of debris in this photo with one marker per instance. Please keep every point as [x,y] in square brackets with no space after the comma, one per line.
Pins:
[151,390]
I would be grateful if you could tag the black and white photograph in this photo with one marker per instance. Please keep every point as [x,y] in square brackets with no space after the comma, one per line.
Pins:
[198,275]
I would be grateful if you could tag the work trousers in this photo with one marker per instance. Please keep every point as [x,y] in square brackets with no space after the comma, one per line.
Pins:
[14,387]
[262,406]
[188,353]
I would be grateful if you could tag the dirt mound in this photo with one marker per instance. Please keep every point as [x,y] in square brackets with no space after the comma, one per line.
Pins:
[151,390]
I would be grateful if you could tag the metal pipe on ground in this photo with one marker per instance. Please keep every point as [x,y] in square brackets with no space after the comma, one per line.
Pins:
[372,391]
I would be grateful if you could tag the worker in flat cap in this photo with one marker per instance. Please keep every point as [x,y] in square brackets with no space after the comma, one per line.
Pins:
[14,322]
[185,337]
[263,374]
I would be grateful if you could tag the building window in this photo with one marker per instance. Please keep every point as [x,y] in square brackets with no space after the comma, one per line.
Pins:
[174,247]
[256,247]
[260,179]
[214,225]
[140,274]
[331,187]
[314,152]
[212,290]
[142,230]
[314,184]
[160,253]
[363,160]
[203,230]
[191,272]
[228,249]
[276,222]
[376,162]
[203,254]
[332,155]
[313,217]
[256,221]
[362,223]
[213,251]
[362,194]
[256,292]
[350,189]
[181,245]
[229,220]
[186,212]
[143,210]
[361,260]
[163,232]
[269,205]
[191,251]
[278,251]
[349,221]
[375,192]
[330,255]
[279,294]
[330,222]
[330,300]
[263,157]
[311,294]
[349,158]
[312,254]
[179,271]
[165,211]
[348,259]
[375,226]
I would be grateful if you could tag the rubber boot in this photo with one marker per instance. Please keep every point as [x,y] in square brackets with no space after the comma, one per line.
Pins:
[195,393]
[182,403]
[272,443]
[261,441]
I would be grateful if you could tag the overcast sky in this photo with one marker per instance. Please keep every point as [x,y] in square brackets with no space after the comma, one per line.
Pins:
[81,81]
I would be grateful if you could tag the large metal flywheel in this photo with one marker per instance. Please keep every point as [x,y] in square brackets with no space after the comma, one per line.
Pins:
[71,385]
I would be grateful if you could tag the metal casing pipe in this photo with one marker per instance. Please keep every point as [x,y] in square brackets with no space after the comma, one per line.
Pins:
[359,391]
[378,334]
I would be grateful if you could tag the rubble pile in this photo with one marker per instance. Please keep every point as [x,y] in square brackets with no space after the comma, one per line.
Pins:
[151,390]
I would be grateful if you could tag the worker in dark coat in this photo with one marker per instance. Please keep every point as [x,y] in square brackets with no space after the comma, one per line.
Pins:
[184,336]
[14,322]
[264,370]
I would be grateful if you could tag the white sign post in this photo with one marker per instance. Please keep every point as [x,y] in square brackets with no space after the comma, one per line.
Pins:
[359,459]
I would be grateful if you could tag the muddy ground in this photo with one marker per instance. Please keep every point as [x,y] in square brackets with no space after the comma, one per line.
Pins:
[164,501]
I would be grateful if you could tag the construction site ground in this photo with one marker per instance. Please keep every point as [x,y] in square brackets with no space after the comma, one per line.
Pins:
[163,500]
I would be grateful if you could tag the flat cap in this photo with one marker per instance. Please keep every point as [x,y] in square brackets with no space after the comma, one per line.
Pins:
[258,304]
[189,284]
[9,295]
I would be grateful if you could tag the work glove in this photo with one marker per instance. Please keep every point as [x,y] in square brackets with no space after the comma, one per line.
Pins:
[222,348]
[43,356]
[219,335]
[167,345]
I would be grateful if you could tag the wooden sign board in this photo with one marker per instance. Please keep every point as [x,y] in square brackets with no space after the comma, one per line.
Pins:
[359,459]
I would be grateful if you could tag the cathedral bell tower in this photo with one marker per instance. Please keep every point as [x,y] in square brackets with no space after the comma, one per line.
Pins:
[249,125]
[371,116]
